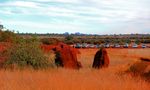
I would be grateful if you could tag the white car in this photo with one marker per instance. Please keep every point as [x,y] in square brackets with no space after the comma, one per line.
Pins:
[106,45]
[84,45]
[143,46]
[126,45]
[78,45]
[117,46]
[98,46]
[134,45]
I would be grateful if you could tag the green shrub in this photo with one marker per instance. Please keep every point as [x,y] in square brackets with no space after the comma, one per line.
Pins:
[49,41]
[69,37]
[7,36]
[27,55]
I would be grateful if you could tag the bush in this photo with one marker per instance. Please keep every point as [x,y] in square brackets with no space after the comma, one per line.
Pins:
[7,36]
[27,55]
[138,67]
[49,41]
[69,37]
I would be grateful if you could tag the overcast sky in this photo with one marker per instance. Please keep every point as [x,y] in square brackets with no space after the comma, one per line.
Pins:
[85,16]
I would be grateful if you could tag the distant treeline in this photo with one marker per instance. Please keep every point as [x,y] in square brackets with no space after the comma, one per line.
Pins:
[77,38]
[89,35]
[91,38]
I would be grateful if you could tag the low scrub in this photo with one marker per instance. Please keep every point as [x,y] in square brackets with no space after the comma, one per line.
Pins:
[7,36]
[49,41]
[140,68]
[27,55]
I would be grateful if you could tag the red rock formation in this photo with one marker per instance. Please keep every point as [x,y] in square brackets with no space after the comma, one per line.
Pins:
[101,59]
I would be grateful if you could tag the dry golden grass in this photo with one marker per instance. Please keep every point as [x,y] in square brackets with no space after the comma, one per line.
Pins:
[83,79]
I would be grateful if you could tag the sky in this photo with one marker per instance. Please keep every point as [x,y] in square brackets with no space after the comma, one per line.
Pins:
[85,16]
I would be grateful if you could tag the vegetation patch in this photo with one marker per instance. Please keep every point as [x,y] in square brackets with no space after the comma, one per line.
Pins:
[7,36]
[140,68]
[49,41]
[27,55]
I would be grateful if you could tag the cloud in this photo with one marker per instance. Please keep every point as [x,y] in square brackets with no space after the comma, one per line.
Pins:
[19,4]
[60,1]
[44,27]
[111,10]
[87,14]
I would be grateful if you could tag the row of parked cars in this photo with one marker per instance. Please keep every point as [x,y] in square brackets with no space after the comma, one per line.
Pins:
[85,45]
[126,46]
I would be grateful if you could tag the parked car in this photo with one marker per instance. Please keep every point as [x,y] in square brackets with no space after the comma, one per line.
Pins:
[143,46]
[126,45]
[78,45]
[84,45]
[106,45]
[134,45]
[98,46]
[117,46]
[91,46]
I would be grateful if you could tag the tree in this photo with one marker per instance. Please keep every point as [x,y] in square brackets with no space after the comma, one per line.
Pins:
[137,41]
[69,37]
